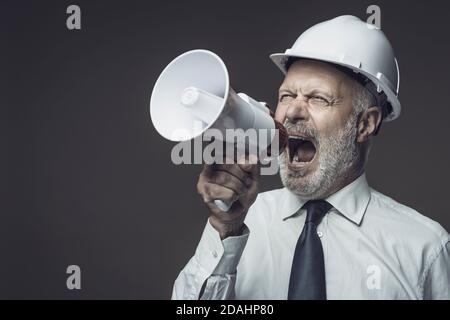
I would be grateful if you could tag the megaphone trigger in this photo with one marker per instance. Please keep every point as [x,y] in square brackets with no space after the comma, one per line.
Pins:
[222,205]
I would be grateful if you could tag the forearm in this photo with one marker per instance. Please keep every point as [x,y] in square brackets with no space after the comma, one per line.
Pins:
[211,272]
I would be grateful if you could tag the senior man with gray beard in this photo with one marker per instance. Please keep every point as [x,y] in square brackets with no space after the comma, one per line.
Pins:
[326,234]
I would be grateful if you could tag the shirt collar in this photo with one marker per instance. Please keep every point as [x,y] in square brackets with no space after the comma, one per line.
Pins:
[351,201]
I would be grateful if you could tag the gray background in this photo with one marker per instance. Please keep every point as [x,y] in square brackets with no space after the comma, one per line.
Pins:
[90,182]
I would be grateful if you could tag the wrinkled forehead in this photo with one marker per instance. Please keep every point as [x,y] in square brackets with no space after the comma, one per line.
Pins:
[307,74]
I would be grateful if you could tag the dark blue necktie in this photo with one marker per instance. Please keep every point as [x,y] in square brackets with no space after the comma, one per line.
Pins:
[307,280]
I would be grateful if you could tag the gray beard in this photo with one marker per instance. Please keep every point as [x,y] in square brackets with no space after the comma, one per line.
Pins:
[336,155]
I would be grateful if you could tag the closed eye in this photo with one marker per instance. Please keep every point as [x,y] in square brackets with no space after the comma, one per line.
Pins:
[319,100]
[287,96]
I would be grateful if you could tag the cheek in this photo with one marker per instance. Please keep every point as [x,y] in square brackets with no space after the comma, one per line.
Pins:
[328,120]
[280,113]
[327,128]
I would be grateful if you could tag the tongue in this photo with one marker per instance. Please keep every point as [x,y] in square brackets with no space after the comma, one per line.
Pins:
[306,151]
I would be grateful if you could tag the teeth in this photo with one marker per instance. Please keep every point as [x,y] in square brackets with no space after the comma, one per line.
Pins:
[294,145]
[297,138]
[296,159]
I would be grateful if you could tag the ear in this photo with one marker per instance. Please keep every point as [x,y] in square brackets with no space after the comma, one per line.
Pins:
[368,123]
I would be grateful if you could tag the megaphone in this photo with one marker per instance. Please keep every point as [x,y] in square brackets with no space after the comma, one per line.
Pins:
[194,88]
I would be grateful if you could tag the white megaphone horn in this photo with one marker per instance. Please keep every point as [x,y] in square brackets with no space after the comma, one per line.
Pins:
[194,88]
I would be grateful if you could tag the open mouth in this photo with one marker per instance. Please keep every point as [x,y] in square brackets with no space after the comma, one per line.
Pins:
[302,150]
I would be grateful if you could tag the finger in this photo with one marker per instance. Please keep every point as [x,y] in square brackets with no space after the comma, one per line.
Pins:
[213,192]
[232,169]
[228,180]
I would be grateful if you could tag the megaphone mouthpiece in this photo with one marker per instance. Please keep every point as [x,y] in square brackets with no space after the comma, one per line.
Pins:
[282,138]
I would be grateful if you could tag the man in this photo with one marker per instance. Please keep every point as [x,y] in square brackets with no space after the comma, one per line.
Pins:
[327,234]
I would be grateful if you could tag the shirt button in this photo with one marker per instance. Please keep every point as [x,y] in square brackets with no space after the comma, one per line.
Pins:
[320,234]
[214,253]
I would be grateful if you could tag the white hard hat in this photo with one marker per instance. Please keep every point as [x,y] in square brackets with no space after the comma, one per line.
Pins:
[362,47]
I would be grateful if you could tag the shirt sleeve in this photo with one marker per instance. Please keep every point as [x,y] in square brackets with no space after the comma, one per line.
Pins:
[437,282]
[211,272]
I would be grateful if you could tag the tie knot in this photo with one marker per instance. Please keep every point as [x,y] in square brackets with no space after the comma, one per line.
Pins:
[316,210]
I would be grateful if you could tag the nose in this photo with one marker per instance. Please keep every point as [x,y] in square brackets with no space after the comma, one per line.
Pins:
[297,110]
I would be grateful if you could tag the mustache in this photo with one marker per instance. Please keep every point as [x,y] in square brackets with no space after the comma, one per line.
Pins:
[301,128]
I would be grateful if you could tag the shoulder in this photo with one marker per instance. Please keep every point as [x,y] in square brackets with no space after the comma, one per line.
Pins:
[406,223]
[271,196]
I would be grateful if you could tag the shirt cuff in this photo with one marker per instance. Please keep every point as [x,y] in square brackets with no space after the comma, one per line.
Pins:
[218,256]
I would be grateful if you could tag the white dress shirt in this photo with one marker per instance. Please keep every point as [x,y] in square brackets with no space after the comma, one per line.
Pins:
[374,248]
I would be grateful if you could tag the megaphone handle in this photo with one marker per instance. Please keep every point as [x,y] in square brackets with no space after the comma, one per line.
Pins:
[222,205]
